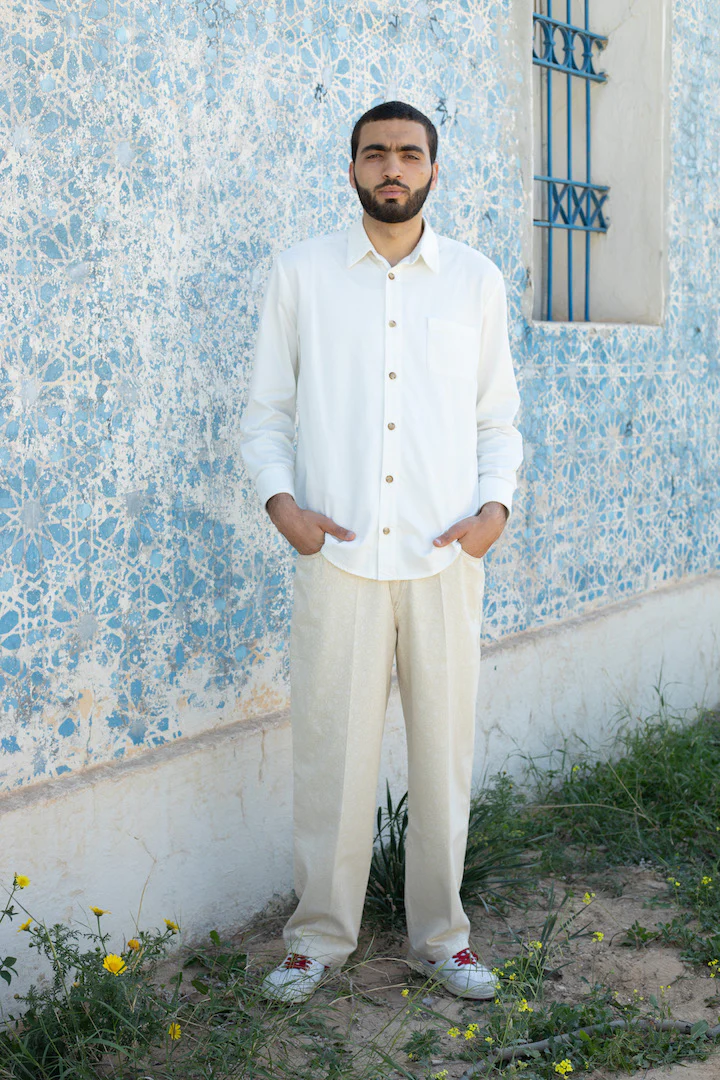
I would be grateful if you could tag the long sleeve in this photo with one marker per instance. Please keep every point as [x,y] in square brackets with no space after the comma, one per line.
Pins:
[267,427]
[499,444]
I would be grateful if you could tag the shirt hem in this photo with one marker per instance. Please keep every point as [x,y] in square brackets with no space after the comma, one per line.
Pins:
[406,577]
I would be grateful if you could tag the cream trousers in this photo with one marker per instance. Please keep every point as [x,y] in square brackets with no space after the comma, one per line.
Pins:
[345,631]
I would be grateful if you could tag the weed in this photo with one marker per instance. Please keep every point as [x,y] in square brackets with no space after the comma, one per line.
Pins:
[522,976]
[496,868]
[599,1032]
[385,899]
[652,797]
[422,1045]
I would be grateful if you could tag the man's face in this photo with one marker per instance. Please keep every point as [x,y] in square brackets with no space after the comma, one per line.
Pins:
[392,173]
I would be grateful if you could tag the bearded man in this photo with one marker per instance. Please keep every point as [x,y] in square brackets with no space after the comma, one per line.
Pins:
[387,345]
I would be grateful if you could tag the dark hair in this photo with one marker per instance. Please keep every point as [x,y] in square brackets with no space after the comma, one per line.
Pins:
[395,110]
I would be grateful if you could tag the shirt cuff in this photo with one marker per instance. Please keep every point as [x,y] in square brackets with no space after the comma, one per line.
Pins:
[272,480]
[495,489]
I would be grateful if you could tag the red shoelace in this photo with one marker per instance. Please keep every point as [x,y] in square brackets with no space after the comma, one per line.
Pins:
[466,956]
[297,960]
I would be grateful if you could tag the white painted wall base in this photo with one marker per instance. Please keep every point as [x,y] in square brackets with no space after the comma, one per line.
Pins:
[203,825]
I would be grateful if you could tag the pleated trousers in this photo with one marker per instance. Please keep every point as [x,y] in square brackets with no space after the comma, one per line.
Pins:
[345,632]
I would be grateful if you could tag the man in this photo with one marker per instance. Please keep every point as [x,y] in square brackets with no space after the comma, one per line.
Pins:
[390,342]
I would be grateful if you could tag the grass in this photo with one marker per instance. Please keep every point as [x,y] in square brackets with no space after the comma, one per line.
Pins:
[651,798]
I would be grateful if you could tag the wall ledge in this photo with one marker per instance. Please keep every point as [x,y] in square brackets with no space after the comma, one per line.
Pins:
[58,787]
[628,603]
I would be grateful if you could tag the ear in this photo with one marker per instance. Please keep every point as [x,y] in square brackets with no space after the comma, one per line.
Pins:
[435,170]
[351,175]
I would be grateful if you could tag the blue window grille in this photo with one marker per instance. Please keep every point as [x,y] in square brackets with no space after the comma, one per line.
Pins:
[569,204]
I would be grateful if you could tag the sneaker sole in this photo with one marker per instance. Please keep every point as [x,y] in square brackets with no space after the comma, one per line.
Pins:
[479,993]
[290,996]
[286,996]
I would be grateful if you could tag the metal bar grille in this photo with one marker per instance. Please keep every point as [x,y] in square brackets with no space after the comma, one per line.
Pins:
[566,50]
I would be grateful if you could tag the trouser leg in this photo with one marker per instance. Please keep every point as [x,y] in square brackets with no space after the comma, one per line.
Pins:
[342,643]
[438,658]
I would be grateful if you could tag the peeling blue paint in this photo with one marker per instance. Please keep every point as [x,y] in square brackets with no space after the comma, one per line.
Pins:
[154,159]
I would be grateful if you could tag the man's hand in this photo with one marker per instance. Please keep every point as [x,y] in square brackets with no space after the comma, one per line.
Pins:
[304,529]
[477,534]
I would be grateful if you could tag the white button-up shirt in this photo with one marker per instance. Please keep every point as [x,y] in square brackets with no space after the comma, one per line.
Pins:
[401,382]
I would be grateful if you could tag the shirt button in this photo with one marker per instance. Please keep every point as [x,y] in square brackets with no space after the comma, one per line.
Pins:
[391,426]
[391,276]
[386,530]
[392,323]
[389,479]
[392,375]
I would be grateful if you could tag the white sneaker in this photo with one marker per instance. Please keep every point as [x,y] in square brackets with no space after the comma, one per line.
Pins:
[294,980]
[461,974]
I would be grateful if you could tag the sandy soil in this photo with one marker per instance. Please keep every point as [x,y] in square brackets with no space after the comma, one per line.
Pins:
[367,1002]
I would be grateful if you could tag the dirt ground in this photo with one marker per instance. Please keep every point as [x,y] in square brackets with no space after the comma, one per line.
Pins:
[367,996]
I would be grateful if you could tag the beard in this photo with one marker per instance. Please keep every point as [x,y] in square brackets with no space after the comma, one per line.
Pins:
[393,211]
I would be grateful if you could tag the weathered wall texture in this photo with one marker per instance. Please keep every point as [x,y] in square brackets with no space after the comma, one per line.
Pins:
[153,157]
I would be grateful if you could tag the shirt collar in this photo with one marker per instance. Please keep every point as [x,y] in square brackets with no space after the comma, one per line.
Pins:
[360,245]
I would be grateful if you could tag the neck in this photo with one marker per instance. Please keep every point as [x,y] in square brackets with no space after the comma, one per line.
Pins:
[393,240]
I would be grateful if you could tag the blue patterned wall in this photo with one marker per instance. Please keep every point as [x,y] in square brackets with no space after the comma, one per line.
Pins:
[153,158]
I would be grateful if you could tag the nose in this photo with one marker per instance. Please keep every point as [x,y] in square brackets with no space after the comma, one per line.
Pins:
[393,168]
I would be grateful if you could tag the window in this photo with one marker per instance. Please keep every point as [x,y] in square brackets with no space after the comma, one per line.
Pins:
[569,206]
[599,139]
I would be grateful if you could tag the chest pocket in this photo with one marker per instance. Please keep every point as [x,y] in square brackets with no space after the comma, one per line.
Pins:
[452,348]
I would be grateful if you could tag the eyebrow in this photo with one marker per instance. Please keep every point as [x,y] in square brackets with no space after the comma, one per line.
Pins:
[382,146]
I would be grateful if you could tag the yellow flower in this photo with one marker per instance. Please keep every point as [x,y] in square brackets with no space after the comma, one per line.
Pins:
[469,1034]
[171,925]
[512,978]
[441,1075]
[404,993]
[21,881]
[174,1031]
[598,935]
[588,897]
[524,1007]
[25,926]
[473,1027]
[676,883]
[114,963]
[706,880]
[99,911]
[535,944]
[453,1032]
[489,1039]
[133,944]
[563,1067]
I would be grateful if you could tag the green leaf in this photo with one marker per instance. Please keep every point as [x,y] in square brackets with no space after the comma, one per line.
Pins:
[200,986]
[214,937]
[699,1028]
